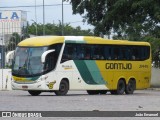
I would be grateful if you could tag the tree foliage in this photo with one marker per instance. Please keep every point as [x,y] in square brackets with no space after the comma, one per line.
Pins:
[14,39]
[132,18]
[56,29]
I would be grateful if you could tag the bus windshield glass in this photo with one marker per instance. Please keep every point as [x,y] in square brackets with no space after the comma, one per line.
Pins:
[27,61]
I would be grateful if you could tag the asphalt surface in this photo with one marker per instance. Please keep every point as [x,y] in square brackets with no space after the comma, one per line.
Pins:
[141,100]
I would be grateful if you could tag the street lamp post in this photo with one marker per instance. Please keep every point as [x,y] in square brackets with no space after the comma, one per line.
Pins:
[62,20]
[35,24]
[43,19]
[35,17]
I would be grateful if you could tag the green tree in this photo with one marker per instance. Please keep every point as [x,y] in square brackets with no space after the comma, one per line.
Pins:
[13,41]
[56,29]
[132,18]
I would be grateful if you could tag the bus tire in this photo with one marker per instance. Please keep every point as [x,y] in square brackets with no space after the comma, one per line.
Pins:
[93,92]
[130,87]
[121,87]
[63,88]
[34,92]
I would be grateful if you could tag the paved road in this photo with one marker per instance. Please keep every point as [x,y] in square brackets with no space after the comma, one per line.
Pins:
[141,100]
[80,100]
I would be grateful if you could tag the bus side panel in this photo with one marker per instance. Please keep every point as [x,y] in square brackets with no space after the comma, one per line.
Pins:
[143,69]
[106,74]
[91,76]
[113,71]
[82,75]
[144,80]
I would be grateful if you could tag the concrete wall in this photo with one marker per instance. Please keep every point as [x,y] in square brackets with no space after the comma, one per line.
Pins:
[155,79]
[5,79]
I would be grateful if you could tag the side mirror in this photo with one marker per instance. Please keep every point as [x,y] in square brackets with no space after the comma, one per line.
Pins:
[43,57]
[9,57]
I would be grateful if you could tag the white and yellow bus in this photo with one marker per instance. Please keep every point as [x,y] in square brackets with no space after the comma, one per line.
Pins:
[61,63]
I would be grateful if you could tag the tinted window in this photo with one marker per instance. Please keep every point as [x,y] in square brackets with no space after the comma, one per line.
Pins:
[105,52]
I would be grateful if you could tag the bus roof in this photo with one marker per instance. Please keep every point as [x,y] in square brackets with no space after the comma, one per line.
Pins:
[48,40]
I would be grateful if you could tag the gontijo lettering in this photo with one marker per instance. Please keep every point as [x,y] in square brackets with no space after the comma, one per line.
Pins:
[120,66]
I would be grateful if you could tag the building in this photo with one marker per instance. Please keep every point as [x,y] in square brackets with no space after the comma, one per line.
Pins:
[12,21]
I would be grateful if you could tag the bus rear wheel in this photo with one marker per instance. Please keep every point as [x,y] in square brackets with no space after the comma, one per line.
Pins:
[34,92]
[120,88]
[63,88]
[130,87]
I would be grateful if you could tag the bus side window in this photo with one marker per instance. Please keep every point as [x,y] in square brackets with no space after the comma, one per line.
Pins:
[129,53]
[65,55]
[108,52]
[87,52]
[123,54]
[146,52]
[69,53]
[98,52]
[116,53]
[135,53]
[50,61]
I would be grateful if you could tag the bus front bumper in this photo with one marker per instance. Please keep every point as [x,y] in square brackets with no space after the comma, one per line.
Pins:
[41,85]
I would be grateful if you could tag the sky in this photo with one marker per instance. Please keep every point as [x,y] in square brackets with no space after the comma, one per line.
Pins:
[53,14]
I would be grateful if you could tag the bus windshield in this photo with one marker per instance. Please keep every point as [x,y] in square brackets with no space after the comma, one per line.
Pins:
[27,61]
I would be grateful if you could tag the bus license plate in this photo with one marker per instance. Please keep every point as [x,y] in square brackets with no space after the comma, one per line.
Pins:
[24,87]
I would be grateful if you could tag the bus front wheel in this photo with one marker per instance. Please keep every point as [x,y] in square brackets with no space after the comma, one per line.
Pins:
[63,88]
[34,92]
[130,87]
